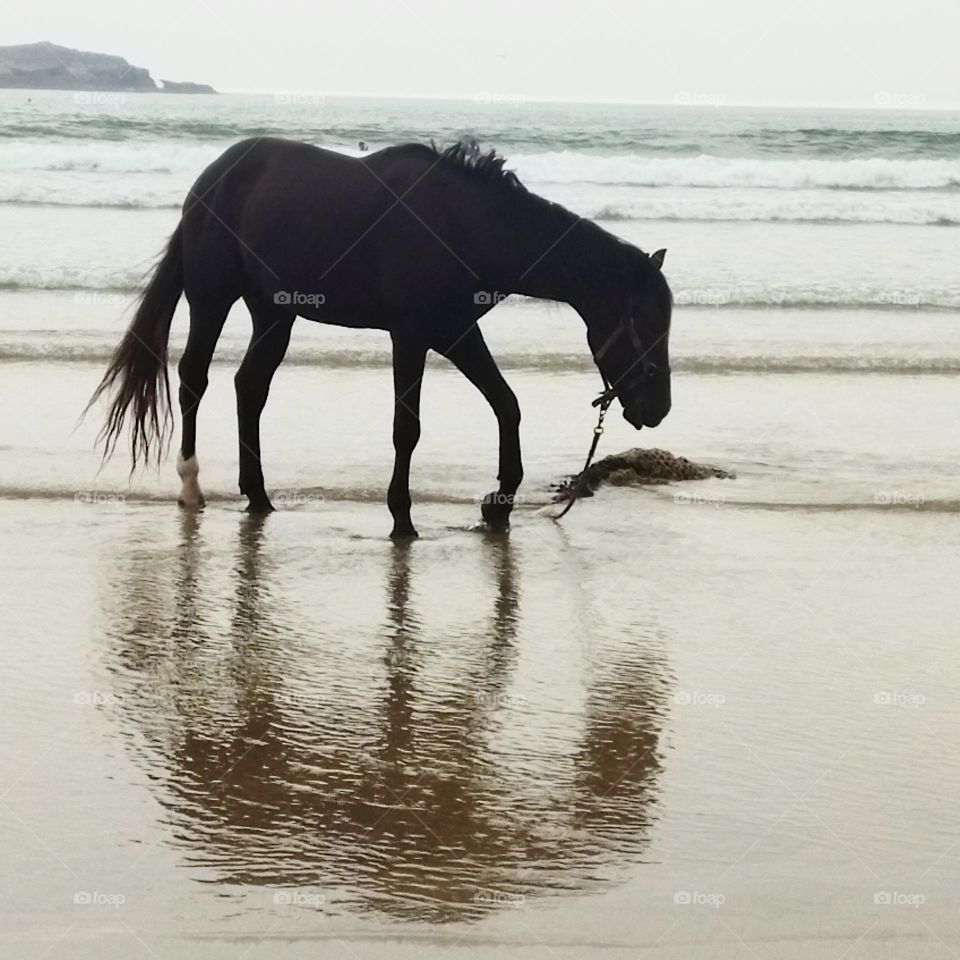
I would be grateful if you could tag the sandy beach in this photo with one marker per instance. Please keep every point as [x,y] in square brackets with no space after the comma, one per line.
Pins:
[713,719]
[688,729]
[695,720]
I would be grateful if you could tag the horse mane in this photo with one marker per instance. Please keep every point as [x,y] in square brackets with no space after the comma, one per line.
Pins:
[467,155]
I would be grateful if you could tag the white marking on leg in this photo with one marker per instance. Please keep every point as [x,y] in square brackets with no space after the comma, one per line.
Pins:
[190,493]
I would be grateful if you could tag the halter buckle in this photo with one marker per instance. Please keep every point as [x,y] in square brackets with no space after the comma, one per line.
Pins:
[605,398]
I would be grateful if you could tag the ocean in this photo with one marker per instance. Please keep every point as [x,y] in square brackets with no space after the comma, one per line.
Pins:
[699,720]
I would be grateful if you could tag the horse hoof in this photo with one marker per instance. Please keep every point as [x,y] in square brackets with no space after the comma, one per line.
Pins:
[260,505]
[191,496]
[404,532]
[495,510]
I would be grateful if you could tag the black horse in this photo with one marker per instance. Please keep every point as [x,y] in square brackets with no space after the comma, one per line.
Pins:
[412,240]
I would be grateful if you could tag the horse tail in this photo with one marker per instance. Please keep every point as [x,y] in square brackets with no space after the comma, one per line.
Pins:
[137,372]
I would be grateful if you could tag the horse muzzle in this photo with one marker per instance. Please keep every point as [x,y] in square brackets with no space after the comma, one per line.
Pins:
[640,413]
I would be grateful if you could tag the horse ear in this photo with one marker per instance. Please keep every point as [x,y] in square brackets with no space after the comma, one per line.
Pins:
[657,258]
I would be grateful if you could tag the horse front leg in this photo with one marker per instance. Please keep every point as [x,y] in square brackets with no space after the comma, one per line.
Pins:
[268,345]
[472,357]
[409,359]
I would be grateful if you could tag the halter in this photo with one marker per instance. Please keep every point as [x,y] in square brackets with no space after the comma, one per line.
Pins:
[625,324]
[651,370]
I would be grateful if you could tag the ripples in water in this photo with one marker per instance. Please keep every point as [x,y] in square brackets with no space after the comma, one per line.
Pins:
[387,744]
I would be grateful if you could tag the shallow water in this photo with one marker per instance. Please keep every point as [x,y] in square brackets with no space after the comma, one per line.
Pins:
[256,735]
[703,720]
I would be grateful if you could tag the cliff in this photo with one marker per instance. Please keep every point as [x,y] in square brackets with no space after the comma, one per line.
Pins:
[172,86]
[47,66]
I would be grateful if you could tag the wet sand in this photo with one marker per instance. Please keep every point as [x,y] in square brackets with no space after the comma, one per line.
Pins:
[683,728]
[701,720]
[706,720]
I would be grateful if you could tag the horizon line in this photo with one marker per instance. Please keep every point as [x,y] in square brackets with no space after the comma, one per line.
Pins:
[505,99]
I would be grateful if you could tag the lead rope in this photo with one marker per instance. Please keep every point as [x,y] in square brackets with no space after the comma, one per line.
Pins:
[603,402]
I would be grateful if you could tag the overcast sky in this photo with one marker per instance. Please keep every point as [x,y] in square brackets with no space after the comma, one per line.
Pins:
[831,52]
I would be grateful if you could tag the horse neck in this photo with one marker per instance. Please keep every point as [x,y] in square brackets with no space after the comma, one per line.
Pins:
[566,258]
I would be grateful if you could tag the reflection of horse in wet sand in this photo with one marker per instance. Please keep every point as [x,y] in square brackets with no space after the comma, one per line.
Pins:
[423,789]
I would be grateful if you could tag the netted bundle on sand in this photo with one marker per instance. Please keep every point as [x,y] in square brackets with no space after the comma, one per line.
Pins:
[637,466]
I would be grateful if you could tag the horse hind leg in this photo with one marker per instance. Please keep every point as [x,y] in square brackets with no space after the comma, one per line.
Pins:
[206,324]
[268,345]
